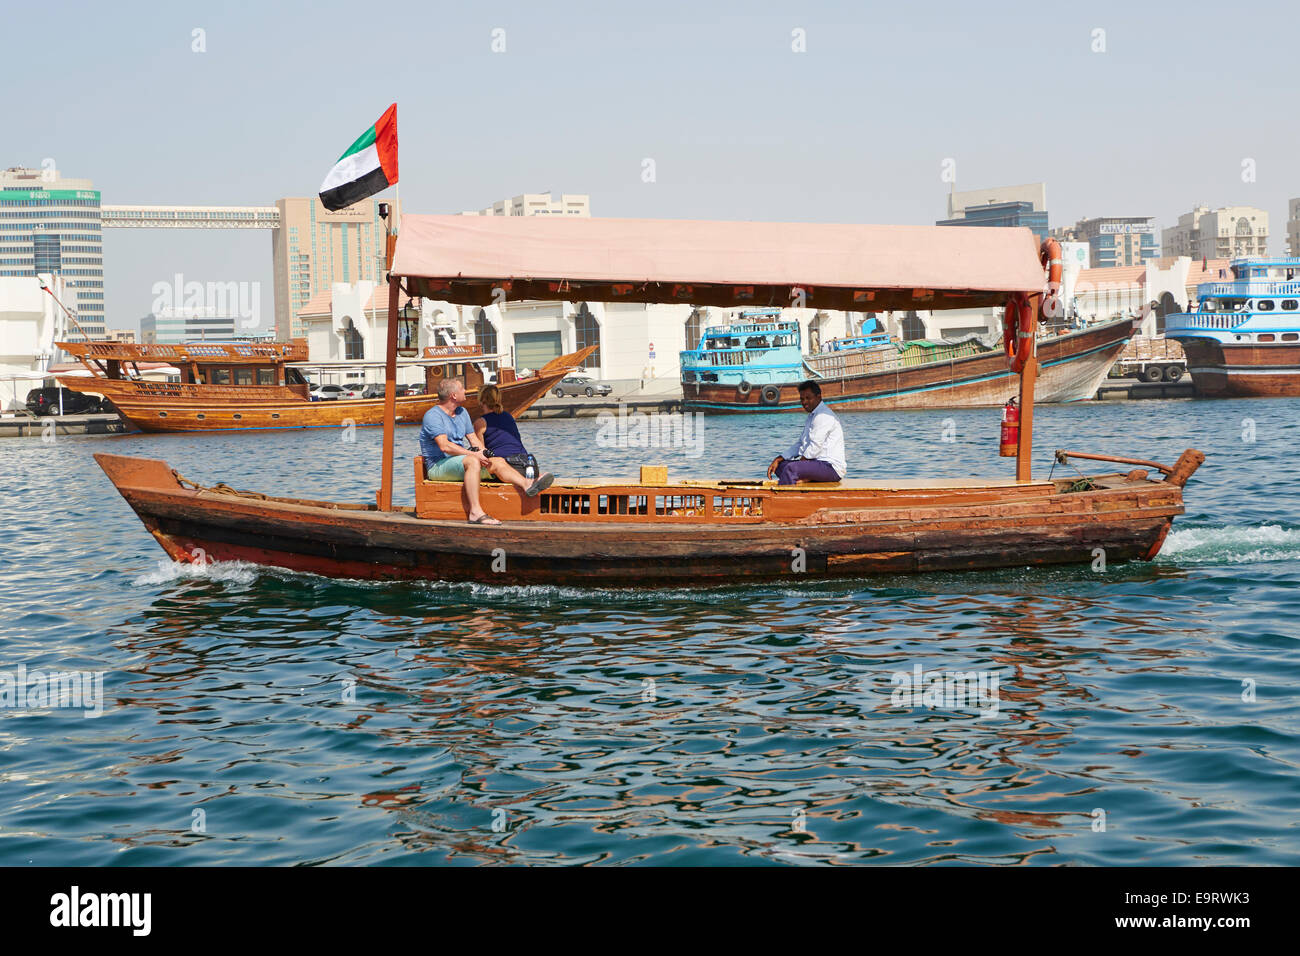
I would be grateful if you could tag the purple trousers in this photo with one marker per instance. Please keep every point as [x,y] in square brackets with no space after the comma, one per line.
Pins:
[804,469]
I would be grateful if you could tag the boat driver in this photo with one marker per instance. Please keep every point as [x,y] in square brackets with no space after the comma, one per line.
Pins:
[452,453]
[818,455]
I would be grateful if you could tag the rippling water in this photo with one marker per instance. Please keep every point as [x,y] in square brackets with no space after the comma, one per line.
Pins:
[1143,714]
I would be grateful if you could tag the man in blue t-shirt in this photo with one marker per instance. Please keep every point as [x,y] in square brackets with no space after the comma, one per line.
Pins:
[451,451]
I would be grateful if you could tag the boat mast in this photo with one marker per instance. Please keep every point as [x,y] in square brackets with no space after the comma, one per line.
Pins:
[390,368]
[72,318]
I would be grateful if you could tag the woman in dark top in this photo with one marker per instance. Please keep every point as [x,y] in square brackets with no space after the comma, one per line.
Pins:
[499,435]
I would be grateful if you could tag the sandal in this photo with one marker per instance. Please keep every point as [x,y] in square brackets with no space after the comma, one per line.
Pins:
[483,519]
[543,482]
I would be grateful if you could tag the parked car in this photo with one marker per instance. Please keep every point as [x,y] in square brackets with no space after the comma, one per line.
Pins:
[581,385]
[45,401]
[377,391]
[326,393]
[354,390]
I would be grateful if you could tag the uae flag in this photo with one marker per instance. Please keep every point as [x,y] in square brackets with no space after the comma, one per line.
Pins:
[369,165]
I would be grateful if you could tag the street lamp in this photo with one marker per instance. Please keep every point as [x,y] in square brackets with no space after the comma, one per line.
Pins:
[408,329]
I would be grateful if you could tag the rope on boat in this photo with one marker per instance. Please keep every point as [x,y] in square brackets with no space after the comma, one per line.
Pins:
[220,488]
[1084,483]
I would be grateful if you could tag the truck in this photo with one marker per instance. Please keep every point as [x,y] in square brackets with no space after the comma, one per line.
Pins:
[1150,359]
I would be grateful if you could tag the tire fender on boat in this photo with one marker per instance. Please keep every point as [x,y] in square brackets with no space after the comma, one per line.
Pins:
[770,395]
[744,388]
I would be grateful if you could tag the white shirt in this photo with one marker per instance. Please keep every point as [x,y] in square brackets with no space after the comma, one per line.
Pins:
[822,440]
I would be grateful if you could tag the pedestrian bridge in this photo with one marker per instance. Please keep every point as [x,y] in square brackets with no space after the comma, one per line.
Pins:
[190,217]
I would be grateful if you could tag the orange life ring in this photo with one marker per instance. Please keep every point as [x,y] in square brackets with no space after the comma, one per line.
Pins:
[1018,331]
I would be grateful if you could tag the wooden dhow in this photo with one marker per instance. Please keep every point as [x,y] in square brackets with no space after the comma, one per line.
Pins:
[1242,338]
[1072,367]
[229,386]
[682,531]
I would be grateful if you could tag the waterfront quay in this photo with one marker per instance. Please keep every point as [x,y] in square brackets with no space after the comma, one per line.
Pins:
[558,408]
[1130,389]
[28,426]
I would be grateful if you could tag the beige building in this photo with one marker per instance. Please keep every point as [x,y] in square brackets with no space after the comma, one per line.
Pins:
[1224,233]
[1113,241]
[1293,226]
[315,248]
[538,204]
[1033,193]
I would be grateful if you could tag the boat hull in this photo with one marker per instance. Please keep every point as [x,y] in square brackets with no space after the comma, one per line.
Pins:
[1071,368]
[1225,370]
[889,531]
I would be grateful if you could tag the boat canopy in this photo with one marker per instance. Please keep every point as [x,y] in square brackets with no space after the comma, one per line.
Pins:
[463,259]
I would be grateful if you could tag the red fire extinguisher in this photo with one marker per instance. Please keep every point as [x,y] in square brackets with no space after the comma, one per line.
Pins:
[1010,430]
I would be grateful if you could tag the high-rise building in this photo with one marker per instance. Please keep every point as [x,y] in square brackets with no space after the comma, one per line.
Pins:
[51,224]
[1224,233]
[1114,240]
[1000,206]
[174,326]
[1293,226]
[315,247]
[538,204]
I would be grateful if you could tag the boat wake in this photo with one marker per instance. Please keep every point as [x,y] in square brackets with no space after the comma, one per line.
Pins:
[230,572]
[1235,544]
[526,595]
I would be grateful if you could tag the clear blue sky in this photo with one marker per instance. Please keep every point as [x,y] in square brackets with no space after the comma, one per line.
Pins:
[740,127]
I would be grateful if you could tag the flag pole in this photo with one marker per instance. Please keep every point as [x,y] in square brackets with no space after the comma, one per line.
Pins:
[390,375]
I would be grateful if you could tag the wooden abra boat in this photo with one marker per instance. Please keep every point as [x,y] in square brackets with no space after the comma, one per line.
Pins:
[688,531]
[618,533]
[261,386]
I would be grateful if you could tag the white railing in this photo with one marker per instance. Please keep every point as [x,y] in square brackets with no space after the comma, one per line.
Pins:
[1251,287]
[1204,320]
[727,358]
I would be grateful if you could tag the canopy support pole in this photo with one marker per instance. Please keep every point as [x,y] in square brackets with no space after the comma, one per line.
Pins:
[390,385]
[1028,377]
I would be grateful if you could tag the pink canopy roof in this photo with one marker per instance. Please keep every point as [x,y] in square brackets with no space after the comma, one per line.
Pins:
[864,268]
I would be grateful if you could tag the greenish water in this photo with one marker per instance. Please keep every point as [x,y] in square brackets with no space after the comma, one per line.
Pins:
[262,717]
